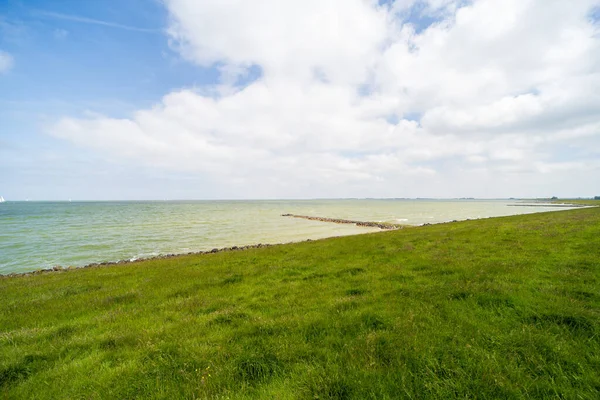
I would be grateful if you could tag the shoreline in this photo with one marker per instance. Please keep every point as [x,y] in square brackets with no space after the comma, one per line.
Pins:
[382,226]
[60,268]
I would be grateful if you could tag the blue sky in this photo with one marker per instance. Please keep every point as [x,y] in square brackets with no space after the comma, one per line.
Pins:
[145,99]
[122,61]
[65,64]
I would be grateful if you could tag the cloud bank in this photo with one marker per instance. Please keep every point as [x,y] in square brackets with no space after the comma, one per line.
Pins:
[353,98]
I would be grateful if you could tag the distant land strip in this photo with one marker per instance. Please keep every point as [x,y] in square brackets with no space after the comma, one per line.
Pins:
[549,205]
[380,225]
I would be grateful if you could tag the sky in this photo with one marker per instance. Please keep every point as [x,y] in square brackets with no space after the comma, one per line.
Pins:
[271,99]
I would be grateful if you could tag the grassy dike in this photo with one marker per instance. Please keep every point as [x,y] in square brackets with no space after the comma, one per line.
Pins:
[496,308]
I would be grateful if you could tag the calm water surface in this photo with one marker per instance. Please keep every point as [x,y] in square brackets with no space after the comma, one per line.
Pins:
[36,235]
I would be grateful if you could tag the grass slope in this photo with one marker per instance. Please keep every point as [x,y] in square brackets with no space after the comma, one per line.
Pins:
[497,308]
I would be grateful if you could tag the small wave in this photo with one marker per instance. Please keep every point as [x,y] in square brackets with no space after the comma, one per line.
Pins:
[401,219]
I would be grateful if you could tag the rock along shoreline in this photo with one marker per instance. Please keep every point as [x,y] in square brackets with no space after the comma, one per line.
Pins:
[58,268]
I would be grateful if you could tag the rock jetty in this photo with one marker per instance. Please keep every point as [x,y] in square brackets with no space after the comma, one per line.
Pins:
[380,225]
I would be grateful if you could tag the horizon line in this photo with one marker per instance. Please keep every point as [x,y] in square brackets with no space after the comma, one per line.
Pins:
[300,199]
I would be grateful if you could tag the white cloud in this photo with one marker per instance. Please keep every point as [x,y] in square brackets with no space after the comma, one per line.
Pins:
[6,62]
[501,87]
[288,40]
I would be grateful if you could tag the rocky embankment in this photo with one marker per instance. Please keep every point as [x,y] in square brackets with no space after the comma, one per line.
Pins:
[59,268]
[380,225]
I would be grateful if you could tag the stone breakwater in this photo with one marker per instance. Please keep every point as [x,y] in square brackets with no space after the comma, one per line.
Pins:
[380,225]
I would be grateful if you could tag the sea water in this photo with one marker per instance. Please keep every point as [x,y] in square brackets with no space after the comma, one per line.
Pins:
[37,235]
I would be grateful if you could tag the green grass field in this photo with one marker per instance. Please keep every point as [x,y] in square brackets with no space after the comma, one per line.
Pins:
[495,308]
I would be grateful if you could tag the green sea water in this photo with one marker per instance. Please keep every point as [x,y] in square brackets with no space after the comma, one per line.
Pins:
[36,235]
